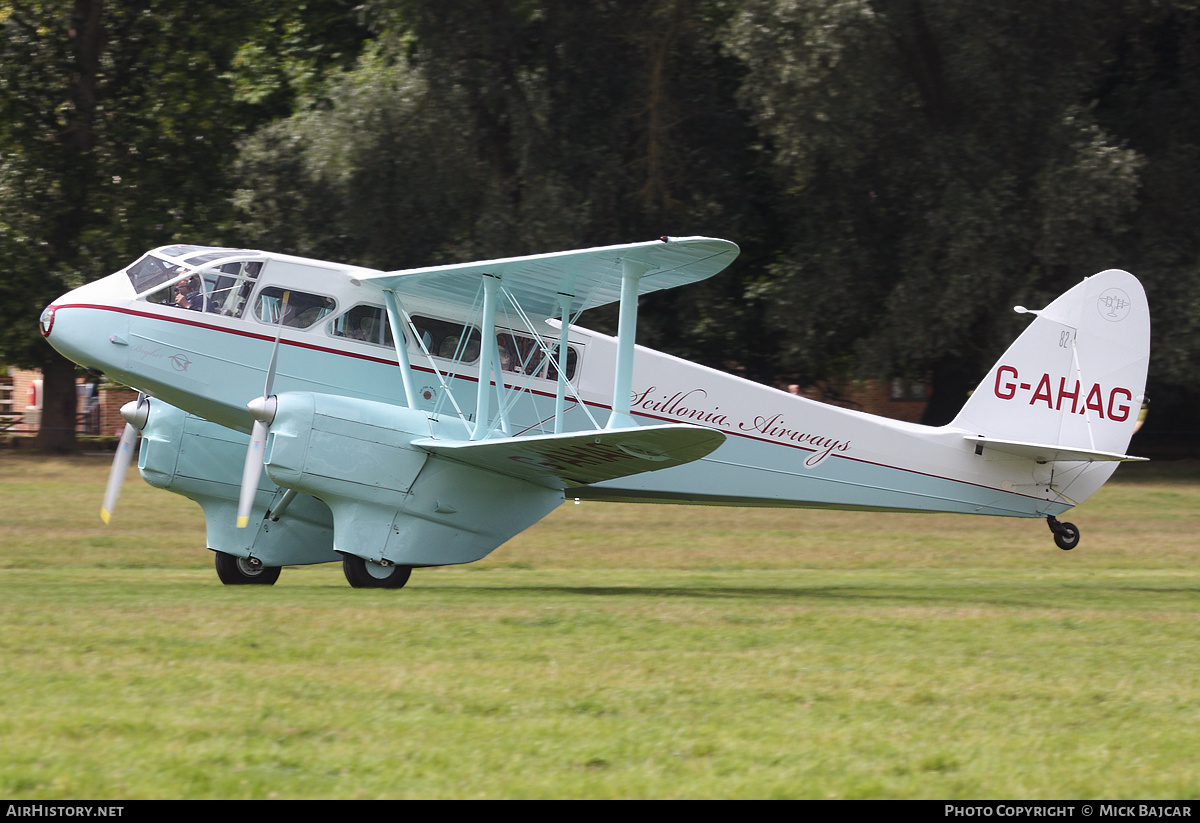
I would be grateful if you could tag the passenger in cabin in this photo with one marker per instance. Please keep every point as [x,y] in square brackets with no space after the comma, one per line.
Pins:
[508,360]
[188,295]
[302,319]
[368,328]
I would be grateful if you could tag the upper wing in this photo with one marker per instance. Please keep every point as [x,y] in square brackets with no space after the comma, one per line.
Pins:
[579,458]
[590,277]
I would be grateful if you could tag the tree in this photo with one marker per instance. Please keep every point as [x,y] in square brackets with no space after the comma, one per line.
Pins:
[51,55]
[481,129]
[118,123]
[379,173]
[1149,94]
[943,163]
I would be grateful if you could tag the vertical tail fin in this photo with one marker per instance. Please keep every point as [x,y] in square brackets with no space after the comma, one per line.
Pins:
[1075,379]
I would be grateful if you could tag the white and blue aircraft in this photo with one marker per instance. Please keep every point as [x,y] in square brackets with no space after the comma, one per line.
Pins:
[419,418]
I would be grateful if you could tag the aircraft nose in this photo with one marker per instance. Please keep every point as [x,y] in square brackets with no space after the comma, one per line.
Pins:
[55,327]
[46,322]
[73,331]
[83,324]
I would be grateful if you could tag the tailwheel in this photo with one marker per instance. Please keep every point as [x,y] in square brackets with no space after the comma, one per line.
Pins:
[244,571]
[1066,535]
[367,574]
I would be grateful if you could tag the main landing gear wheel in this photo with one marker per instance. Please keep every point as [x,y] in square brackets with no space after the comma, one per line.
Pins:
[366,574]
[1066,535]
[244,571]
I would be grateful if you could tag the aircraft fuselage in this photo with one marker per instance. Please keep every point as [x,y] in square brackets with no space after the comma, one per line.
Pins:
[782,449]
[400,450]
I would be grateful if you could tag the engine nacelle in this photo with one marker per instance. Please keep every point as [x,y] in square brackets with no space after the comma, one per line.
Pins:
[202,461]
[393,502]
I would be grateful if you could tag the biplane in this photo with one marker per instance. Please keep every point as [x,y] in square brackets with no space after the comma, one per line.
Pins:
[392,420]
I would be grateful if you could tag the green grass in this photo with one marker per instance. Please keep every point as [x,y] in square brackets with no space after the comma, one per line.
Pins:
[611,651]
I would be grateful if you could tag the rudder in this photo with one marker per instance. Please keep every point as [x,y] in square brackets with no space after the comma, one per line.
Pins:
[1075,378]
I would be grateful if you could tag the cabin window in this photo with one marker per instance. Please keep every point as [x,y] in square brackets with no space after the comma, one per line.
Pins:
[521,354]
[188,291]
[518,353]
[366,323]
[443,338]
[551,372]
[300,310]
[229,285]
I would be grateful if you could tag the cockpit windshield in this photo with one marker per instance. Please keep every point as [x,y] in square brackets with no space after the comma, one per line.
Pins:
[197,278]
[149,272]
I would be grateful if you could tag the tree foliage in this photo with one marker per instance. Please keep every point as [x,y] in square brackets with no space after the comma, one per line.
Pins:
[1150,94]
[118,125]
[899,173]
[943,163]
[482,129]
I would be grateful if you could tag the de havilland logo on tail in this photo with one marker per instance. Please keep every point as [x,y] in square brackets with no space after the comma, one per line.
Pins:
[1114,305]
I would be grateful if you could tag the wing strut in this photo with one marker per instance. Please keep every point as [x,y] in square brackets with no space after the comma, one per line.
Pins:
[631,273]
[488,339]
[502,407]
[393,313]
[405,321]
[560,396]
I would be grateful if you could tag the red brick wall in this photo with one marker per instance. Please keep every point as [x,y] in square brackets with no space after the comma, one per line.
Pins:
[873,397]
[111,400]
[22,380]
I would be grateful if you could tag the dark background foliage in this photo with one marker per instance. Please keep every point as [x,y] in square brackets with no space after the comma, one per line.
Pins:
[898,173]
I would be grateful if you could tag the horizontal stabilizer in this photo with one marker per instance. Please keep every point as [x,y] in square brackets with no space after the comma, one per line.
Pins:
[1045,453]
[580,458]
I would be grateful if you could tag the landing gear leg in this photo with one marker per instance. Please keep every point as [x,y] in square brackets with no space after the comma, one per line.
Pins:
[366,574]
[1066,535]
[244,571]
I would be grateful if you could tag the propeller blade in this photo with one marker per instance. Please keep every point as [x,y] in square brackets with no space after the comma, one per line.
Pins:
[263,411]
[271,369]
[136,414]
[120,467]
[275,349]
[251,472]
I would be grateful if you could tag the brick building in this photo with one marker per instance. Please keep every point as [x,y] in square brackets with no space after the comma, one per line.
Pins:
[896,399]
[97,410]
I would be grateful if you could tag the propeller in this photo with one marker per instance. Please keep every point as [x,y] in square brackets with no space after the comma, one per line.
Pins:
[136,413]
[262,409]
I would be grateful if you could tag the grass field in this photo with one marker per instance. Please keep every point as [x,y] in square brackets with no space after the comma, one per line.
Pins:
[611,651]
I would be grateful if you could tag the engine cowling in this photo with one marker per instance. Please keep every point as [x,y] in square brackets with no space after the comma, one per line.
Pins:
[394,502]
